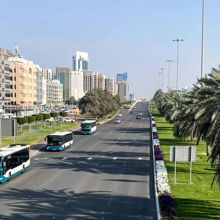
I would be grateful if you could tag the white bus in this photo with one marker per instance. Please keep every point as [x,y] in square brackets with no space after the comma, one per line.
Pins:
[14,159]
[59,140]
[88,127]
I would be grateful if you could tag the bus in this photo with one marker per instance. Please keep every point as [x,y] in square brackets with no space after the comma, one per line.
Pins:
[14,159]
[59,141]
[88,127]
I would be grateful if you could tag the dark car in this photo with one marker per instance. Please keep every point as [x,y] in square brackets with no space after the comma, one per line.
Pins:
[138,117]
[131,112]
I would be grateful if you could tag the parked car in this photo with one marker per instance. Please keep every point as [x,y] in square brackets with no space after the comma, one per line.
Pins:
[117,120]
[50,120]
[138,117]
[67,119]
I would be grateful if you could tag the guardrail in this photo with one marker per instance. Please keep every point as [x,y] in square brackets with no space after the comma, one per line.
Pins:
[154,171]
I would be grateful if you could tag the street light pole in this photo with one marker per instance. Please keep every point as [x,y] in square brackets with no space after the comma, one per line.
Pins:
[202,40]
[161,74]
[177,62]
[168,74]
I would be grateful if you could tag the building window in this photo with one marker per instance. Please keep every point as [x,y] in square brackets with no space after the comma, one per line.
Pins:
[14,70]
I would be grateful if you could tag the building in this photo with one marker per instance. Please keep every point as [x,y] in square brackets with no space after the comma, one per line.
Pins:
[63,75]
[54,93]
[6,79]
[80,61]
[24,81]
[47,73]
[76,84]
[101,81]
[123,90]
[90,81]
[121,77]
[110,85]
[41,87]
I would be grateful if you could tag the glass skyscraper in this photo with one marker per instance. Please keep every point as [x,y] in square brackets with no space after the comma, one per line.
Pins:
[122,76]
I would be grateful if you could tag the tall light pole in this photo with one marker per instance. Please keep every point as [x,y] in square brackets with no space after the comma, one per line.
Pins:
[202,40]
[161,74]
[177,62]
[168,74]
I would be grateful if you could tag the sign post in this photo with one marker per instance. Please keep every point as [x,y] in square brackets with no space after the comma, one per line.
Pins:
[183,154]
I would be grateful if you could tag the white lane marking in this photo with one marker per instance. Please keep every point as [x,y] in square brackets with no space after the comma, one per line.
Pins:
[64,158]
[45,158]
[114,158]
[89,158]
[139,158]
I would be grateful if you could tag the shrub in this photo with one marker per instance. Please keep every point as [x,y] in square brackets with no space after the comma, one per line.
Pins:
[31,119]
[167,204]
[54,114]
[158,153]
[46,116]
[64,114]
[22,120]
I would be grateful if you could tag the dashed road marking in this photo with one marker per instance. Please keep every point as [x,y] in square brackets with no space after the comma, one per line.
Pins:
[139,158]
[64,158]
[89,158]
[114,158]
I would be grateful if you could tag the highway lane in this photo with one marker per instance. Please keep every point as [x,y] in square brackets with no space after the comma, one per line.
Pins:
[107,175]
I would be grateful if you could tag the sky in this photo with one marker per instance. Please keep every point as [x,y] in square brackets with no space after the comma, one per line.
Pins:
[133,36]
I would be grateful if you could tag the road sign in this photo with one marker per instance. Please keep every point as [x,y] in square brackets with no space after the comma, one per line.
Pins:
[183,154]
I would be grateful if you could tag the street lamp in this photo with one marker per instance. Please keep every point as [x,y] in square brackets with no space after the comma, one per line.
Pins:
[168,74]
[202,40]
[161,74]
[177,62]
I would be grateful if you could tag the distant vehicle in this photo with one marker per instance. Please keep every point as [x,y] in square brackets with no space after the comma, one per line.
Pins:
[138,117]
[131,112]
[155,135]
[88,127]
[50,120]
[154,129]
[67,119]
[59,141]
[14,159]
[117,120]
[119,114]
[141,114]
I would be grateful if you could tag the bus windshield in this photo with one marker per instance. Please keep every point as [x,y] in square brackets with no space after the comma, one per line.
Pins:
[54,140]
[86,126]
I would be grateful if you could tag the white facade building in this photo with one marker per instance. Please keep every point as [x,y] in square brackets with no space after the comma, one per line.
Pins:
[76,84]
[90,81]
[54,92]
[41,87]
[80,61]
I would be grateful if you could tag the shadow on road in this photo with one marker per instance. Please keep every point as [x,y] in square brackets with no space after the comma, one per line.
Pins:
[45,204]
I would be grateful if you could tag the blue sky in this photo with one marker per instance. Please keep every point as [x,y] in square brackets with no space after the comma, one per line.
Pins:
[120,36]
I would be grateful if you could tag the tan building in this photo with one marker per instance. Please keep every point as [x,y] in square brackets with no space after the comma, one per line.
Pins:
[24,76]
[101,81]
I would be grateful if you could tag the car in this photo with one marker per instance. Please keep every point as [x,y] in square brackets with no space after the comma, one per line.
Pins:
[117,120]
[50,120]
[67,119]
[131,112]
[138,117]
[119,115]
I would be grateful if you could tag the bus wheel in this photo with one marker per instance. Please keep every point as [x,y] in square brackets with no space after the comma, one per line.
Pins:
[23,169]
[9,176]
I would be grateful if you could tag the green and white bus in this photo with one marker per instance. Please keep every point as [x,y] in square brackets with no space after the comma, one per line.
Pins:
[59,141]
[14,159]
[88,127]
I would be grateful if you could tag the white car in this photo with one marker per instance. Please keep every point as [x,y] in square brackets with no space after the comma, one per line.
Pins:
[67,119]
[50,120]
[117,120]
[119,114]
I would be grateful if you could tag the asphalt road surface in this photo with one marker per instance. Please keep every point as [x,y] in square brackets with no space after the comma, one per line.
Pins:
[107,175]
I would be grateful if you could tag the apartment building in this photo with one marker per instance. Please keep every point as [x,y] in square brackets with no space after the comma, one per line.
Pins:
[76,84]
[5,79]
[41,87]
[24,91]
[54,93]
[90,81]
[101,81]
[110,85]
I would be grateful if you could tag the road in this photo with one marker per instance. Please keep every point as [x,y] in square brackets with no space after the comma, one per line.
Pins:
[107,175]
